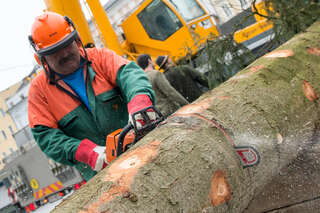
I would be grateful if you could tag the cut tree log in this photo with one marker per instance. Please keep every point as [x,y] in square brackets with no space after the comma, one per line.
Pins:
[189,164]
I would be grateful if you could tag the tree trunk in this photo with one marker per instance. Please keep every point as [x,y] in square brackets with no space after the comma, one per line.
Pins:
[189,164]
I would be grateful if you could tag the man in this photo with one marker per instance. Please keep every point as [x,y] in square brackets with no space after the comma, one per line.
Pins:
[184,78]
[82,95]
[168,100]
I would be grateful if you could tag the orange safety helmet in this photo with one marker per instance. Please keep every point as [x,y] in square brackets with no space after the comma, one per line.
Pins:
[51,32]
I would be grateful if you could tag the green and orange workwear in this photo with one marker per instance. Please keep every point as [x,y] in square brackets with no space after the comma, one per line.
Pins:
[60,122]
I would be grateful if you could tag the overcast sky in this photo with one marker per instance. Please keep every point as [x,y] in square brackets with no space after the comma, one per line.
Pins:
[16,54]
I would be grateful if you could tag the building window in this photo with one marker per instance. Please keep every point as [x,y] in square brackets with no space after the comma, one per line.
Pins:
[4,135]
[2,112]
[227,9]
[11,130]
[159,21]
[244,4]
[11,150]
[4,154]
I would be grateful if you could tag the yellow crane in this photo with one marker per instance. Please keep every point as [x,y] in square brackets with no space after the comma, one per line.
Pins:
[157,27]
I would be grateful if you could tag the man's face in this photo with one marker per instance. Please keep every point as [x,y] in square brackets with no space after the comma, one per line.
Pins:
[66,60]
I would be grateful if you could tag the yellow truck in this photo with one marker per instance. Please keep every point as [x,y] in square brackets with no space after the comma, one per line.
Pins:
[260,29]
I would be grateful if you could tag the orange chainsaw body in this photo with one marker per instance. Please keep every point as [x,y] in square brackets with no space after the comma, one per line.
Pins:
[112,143]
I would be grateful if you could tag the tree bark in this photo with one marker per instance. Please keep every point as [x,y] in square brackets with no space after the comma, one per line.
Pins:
[189,164]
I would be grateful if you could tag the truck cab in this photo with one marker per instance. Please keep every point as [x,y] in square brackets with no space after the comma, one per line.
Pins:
[161,27]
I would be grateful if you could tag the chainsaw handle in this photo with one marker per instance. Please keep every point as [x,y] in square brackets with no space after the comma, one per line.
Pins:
[121,137]
[139,133]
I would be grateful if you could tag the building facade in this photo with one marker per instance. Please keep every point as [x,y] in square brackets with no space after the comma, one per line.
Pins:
[227,9]
[7,125]
[14,124]
[116,10]
[18,109]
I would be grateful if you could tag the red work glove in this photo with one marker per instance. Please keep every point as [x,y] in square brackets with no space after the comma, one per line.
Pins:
[138,103]
[92,155]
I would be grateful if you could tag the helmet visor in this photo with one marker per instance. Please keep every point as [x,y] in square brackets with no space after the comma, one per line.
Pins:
[59,45]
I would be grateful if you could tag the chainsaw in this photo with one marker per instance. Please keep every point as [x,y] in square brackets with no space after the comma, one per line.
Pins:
[121,140]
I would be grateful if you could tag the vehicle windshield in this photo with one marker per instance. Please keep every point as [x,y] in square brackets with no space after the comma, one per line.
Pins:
[189,9]
[159,20]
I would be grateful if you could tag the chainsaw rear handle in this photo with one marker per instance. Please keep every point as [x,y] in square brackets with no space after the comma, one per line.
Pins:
[139,133]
